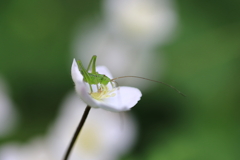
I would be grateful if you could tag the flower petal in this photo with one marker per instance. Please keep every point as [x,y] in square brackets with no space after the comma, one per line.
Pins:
[125,99]
[76,74]
[82,90]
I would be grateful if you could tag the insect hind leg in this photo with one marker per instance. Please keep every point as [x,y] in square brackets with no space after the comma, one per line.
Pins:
[93,64]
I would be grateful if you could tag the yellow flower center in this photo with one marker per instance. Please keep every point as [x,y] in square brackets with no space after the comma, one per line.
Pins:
[103,93]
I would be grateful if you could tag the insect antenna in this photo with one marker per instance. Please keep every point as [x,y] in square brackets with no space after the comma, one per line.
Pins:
[152,81]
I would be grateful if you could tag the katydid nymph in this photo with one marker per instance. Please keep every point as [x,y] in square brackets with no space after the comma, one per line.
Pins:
[94,78]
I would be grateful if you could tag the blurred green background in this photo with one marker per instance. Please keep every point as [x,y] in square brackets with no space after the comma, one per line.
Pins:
[203,62]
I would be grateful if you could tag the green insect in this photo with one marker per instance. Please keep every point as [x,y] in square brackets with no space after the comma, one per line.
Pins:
[94,78]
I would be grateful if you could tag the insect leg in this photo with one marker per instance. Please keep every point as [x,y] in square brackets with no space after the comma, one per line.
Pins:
[114,84]
[85,74]
[93,64]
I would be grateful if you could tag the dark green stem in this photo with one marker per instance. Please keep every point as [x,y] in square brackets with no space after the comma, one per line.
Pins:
[77,132]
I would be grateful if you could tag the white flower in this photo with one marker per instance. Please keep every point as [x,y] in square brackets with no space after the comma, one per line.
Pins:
[8,114]
[106,96]
[35,149]
[105,135]
[142,22]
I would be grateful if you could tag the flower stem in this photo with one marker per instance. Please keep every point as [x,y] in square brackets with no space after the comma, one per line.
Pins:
[78,130]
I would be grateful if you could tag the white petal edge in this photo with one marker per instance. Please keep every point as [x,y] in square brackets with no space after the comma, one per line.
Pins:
[76,74]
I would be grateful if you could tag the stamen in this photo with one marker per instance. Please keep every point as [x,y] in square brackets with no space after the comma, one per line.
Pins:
[103,92]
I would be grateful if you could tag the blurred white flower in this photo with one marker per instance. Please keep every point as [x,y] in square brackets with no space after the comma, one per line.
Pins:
[104,96]
[8,114]
[141,22]
[105,135]
[121,58]
[33,150]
